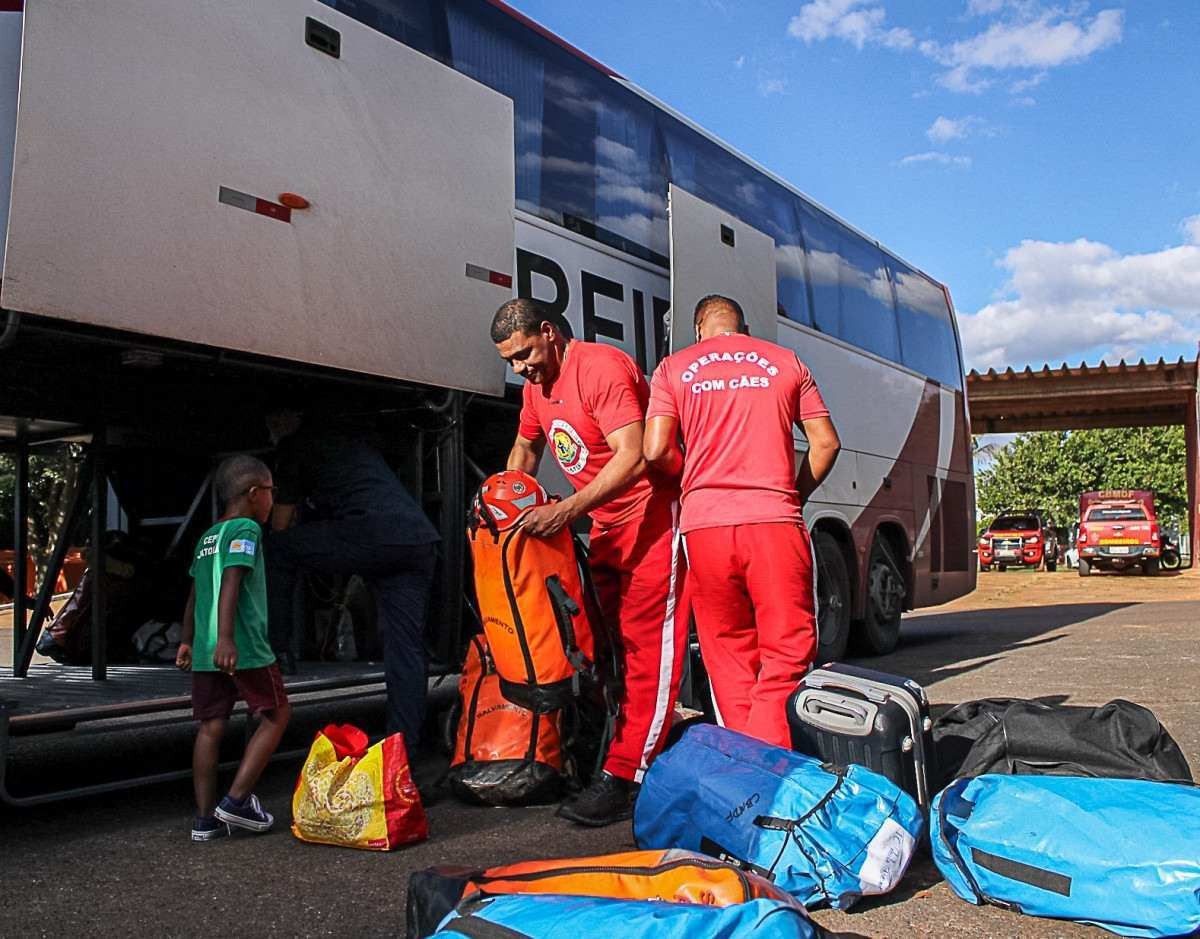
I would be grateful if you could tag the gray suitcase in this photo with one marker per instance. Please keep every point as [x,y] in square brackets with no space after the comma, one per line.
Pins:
[845,714]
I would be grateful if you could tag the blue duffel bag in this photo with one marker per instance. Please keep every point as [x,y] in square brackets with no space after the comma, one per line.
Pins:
[549,916]
[1122,854]
[825,834]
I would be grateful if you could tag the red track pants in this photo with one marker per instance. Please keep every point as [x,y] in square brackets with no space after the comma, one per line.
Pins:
[638,573]
[751,591]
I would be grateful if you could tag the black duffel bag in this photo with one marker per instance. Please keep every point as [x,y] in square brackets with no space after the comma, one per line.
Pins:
[1040,737]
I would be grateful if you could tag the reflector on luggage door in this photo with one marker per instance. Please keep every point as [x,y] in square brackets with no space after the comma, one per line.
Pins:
[714,252]
[373,180]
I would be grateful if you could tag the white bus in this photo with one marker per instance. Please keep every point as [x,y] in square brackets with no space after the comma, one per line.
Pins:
[355,185]
[595,157]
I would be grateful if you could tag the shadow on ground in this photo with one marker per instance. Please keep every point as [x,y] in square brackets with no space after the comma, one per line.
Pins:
[937,646]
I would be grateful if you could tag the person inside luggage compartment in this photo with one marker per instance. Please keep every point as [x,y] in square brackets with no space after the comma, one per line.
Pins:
[587,400]
[357,518]
[731,401]
[224,644]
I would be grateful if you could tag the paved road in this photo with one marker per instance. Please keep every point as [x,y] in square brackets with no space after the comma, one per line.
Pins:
[123,863]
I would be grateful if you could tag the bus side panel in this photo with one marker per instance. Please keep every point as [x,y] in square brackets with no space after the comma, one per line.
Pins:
[10,77]
[155,142]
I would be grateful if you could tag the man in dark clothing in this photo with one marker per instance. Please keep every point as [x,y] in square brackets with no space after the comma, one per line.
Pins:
[357,519]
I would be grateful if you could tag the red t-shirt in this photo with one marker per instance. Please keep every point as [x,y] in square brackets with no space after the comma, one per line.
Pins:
[599,390]
[736,399]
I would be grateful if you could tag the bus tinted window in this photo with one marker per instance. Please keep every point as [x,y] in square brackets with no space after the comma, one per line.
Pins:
[926,332]
[588,155]
[852,296]
[416,23]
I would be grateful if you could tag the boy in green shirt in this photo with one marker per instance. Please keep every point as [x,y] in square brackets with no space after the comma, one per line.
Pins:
[225,646]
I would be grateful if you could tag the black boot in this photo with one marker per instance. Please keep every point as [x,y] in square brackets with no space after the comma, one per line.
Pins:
[608,799]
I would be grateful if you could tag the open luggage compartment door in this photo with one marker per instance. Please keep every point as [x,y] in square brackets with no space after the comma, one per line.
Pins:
[155,142]
[714,252]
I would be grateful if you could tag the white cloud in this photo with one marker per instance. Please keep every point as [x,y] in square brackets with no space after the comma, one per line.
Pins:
[772,86]
[1025,101]
[936,156]
[1053,38]
[1028,84]
[945,129]
[1022,35]
[1067,301]
[858,22]
[739,61]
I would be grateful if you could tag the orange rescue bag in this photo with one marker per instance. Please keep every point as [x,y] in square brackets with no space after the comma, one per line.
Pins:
[672,875]
[504,754]
[533,606]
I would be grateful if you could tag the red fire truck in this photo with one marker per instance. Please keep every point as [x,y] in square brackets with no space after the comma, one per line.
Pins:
[1118,529]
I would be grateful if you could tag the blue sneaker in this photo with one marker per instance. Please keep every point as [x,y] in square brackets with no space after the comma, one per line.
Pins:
[249,814]
[206,829]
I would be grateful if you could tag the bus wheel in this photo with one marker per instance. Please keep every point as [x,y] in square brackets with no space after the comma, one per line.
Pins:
[833,598]
[879,630]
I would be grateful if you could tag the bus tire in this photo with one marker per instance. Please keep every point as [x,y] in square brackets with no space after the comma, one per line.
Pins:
[879,630]
[1084,568]
[833,598]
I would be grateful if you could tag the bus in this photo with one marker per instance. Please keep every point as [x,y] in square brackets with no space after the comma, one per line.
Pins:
[253,201]
[595,156]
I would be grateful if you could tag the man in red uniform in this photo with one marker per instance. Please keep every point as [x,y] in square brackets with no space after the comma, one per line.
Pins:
[733,400]
[589,400]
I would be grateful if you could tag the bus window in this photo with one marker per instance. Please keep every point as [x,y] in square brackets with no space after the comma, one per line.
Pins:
[631,184]
[492,57]
[416,23]
[868,313]
[926,332]
[852,298]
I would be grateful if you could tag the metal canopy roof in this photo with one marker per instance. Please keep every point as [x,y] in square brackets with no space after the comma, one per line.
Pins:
[1065,398]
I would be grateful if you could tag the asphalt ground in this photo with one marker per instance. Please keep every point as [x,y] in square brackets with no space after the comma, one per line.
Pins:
[123,864]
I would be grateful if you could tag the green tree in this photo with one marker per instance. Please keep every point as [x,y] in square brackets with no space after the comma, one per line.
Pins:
[53,476]
[1049,470]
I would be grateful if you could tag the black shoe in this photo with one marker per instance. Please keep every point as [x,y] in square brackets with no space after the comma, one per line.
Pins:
[608,799]
[287,663]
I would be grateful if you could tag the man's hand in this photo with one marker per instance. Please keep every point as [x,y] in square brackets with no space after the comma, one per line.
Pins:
[546,521]
[225,657]
[183,658]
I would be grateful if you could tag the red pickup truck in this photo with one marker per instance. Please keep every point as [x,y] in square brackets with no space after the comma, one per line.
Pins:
[1118,529]
[1019,539]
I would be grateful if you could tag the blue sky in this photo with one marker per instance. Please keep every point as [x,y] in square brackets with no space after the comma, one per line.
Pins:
[1042,159]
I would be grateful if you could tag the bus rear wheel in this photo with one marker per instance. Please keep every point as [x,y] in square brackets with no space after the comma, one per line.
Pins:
[879,630]
[833,598]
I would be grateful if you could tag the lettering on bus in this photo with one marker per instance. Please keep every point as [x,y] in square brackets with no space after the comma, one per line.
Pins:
[595,289]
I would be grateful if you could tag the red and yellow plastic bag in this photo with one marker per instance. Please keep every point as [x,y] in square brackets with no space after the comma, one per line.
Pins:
[356,796]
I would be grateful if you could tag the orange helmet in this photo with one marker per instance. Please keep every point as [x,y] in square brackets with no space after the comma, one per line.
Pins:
[504,496]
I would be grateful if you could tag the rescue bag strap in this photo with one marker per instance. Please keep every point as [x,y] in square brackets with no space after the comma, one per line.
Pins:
[613,674]
[565,611]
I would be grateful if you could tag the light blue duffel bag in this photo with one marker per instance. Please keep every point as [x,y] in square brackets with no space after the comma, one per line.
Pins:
[1122,854]
[824,834]
[549,916]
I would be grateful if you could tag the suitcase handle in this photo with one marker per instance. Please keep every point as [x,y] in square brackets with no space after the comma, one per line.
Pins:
[838,714]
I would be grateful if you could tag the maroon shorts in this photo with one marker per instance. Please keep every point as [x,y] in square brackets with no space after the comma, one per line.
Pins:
[215,693]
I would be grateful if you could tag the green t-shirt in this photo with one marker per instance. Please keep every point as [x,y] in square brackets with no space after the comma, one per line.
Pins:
[235,542]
